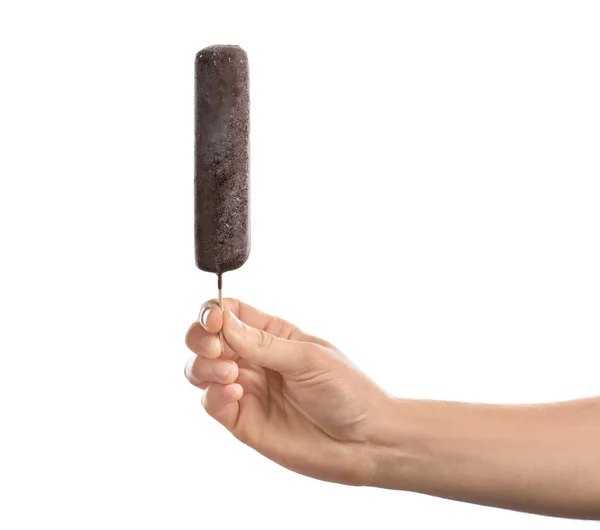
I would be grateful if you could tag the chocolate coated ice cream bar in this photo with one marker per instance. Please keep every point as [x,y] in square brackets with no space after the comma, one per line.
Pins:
[221,183]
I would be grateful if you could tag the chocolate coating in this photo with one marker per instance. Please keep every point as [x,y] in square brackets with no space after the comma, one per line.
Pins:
[221,182]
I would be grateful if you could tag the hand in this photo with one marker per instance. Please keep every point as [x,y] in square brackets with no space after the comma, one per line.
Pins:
[293,397]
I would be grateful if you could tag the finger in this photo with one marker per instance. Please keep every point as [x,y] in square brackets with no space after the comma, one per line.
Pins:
[202,337]
[210,317]
[213,371]
[262,348]
[248,314]
[203,343]
[221,402]
[190,377]
[259,320]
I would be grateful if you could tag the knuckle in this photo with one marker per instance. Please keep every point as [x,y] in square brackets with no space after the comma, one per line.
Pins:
[281,328]
[274,325]
[313,353]
[265,340]
[288,330]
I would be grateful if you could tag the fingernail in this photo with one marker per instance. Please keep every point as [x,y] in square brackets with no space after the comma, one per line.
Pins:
[223,370]
[234,323]
[204,311]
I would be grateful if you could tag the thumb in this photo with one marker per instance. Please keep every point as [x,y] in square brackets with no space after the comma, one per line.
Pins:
[264,349]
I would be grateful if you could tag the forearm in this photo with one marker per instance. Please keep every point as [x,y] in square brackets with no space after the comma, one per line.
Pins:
[536,458]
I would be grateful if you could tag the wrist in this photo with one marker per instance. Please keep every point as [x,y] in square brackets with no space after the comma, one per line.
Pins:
[399,444]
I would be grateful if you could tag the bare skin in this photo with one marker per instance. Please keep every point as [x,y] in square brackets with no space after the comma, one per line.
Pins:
[298,401]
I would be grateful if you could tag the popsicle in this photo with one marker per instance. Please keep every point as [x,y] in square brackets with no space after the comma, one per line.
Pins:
[221,181]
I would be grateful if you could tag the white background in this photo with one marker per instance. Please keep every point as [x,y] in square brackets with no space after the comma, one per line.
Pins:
[425,195]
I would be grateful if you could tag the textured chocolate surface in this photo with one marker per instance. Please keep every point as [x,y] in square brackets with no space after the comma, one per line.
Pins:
[221,193]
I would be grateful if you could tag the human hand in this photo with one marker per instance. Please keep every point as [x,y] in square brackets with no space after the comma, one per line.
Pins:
[297,400]
[293,397]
